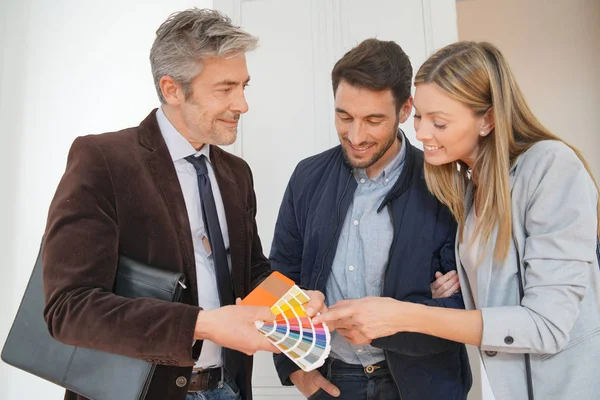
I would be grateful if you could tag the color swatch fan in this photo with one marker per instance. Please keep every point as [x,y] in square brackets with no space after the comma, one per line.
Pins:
[293,332]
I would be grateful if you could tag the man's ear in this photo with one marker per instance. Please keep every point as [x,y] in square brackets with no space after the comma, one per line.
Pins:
[405,110]
[171,90]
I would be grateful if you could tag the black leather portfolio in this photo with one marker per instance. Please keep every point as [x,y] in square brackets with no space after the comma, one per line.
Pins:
[90,373]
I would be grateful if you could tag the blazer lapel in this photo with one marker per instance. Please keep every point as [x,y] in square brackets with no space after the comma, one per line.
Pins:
[160,165]
[484,269]
[469,299]
[235,214]
[462,275]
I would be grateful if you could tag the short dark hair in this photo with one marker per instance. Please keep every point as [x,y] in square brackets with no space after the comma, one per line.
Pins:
[376,65]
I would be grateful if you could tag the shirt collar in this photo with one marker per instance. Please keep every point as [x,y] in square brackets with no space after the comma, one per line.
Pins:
[178,146]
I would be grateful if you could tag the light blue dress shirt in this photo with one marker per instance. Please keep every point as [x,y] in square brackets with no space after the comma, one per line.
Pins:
[362,253]
[208,293]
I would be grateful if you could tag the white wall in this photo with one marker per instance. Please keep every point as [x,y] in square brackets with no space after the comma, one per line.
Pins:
[74,67]
[8,158]
[67,68]
[554,50]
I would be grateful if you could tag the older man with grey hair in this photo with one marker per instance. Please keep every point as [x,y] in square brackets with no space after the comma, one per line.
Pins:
[163,193]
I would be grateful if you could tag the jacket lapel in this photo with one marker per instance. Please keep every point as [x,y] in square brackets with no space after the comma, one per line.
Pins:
[483,273]
[485,268]
[160,165]
[462,275]
[235,214]
[400,188]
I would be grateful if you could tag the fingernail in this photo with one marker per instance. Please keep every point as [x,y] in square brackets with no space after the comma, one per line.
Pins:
[336,392]
[310,311]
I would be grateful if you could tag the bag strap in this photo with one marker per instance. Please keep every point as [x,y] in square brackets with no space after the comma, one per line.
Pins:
[521,295]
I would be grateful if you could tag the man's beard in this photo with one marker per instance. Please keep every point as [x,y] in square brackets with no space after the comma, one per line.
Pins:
[363,164]
[224,136]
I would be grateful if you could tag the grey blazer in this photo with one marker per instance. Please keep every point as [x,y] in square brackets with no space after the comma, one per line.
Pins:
[554,220]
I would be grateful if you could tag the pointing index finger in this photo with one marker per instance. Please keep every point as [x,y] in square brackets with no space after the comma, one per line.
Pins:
[335,314]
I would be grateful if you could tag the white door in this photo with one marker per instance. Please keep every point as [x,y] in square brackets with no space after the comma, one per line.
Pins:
[290,95]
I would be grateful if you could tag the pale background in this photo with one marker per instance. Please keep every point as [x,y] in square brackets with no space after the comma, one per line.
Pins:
[553,47]
[73,67]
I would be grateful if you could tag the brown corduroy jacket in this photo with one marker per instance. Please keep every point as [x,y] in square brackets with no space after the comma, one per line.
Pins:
[120,195]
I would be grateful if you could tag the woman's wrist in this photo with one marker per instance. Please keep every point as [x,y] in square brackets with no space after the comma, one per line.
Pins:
[409,317]
[447,323]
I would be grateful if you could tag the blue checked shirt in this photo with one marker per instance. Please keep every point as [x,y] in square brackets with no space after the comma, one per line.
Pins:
[362,253]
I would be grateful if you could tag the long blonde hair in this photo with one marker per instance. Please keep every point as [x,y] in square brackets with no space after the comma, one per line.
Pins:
[478,75]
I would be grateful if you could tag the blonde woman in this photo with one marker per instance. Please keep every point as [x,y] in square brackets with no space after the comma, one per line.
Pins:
[527,207]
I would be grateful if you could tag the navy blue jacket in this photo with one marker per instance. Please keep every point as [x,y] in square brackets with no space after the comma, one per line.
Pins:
[315,203]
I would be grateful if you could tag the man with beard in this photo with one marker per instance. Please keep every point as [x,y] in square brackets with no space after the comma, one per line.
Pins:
[357,221]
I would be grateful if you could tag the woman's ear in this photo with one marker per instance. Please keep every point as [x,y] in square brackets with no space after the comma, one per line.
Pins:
[487,125]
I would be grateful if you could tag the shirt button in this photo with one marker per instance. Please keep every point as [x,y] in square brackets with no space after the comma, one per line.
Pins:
[351,268]
[362,180]
[509,340]
[355,222]
[491,353]
[359,350]
[181,381]
[386,180]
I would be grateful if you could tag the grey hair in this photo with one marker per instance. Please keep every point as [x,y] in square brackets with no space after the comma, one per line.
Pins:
[188,37]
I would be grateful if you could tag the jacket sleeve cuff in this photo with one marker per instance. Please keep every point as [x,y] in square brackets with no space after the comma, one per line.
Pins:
[505,329]
[285,367]
[185,336]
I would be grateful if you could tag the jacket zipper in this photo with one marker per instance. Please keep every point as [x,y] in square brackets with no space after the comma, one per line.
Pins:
[337,225]
[387,267]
